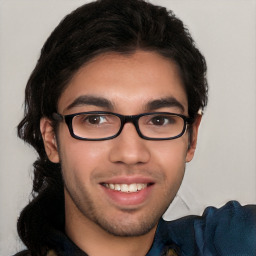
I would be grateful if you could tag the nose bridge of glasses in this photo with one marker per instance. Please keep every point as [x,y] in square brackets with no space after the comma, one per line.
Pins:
[130,119]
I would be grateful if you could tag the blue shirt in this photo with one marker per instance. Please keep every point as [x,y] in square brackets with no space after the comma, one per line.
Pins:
[228,231]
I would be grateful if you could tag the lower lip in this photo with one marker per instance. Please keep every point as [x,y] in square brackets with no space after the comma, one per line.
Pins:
[130,198]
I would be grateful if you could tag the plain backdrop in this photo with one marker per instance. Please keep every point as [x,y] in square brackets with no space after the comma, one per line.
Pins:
[224,166]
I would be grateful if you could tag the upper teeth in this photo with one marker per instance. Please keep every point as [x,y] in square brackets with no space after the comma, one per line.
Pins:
[126,187]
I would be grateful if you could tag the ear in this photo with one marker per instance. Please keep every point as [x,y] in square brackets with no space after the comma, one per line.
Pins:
[193,139]
[50,143]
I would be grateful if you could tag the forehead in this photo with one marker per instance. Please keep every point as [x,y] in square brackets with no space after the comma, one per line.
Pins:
[128,82]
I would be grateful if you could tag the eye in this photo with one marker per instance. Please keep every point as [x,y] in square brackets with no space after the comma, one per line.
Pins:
[162,120]
[93,119]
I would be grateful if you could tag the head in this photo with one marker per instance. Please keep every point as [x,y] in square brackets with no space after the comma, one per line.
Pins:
[90,53]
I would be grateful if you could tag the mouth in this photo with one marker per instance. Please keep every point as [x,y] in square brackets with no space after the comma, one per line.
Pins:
[126,188]
[125,191]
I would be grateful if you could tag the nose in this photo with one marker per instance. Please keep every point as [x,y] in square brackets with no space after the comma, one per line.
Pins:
[128,148]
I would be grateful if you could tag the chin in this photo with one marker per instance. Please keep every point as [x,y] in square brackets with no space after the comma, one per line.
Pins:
[127,225]
[131,230]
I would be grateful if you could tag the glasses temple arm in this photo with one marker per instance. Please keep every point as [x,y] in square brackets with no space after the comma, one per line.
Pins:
[57,117]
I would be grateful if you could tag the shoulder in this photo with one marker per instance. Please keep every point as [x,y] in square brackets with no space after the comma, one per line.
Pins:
[229,230]
[232,215]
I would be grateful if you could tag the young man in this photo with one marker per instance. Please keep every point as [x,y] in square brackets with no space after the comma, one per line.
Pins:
[113,110]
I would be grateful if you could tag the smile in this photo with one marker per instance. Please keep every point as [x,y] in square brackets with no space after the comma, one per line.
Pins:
[126,188]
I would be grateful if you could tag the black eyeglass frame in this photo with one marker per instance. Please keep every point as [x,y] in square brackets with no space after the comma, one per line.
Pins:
[124,119]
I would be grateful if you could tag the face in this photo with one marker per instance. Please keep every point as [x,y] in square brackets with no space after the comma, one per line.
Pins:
[97,174]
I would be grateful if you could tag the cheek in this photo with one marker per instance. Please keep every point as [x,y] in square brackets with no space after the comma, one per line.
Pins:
[171,156]
[80,158]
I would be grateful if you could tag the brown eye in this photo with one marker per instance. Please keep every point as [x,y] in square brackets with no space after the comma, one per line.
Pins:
[92,119]
[158,120]
[162,120]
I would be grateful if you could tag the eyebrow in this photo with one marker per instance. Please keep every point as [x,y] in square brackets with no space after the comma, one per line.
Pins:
[90,100]
[105,103]
[164,102]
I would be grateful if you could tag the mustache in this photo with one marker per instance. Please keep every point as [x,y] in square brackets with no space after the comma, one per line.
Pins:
[154,174]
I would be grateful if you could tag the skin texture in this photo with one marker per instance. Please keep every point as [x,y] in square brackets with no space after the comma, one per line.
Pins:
[94,215]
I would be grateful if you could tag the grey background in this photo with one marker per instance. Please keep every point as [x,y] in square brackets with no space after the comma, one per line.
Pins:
[224,166]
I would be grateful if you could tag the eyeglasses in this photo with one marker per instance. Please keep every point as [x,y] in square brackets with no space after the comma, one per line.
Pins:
[101,125]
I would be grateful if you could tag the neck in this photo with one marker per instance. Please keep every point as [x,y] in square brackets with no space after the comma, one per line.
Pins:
[93,240]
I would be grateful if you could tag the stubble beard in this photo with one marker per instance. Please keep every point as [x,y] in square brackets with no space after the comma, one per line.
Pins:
[124,226]
[117,227]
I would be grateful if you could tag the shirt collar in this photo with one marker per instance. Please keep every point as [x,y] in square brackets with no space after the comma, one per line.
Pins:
[162,244]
